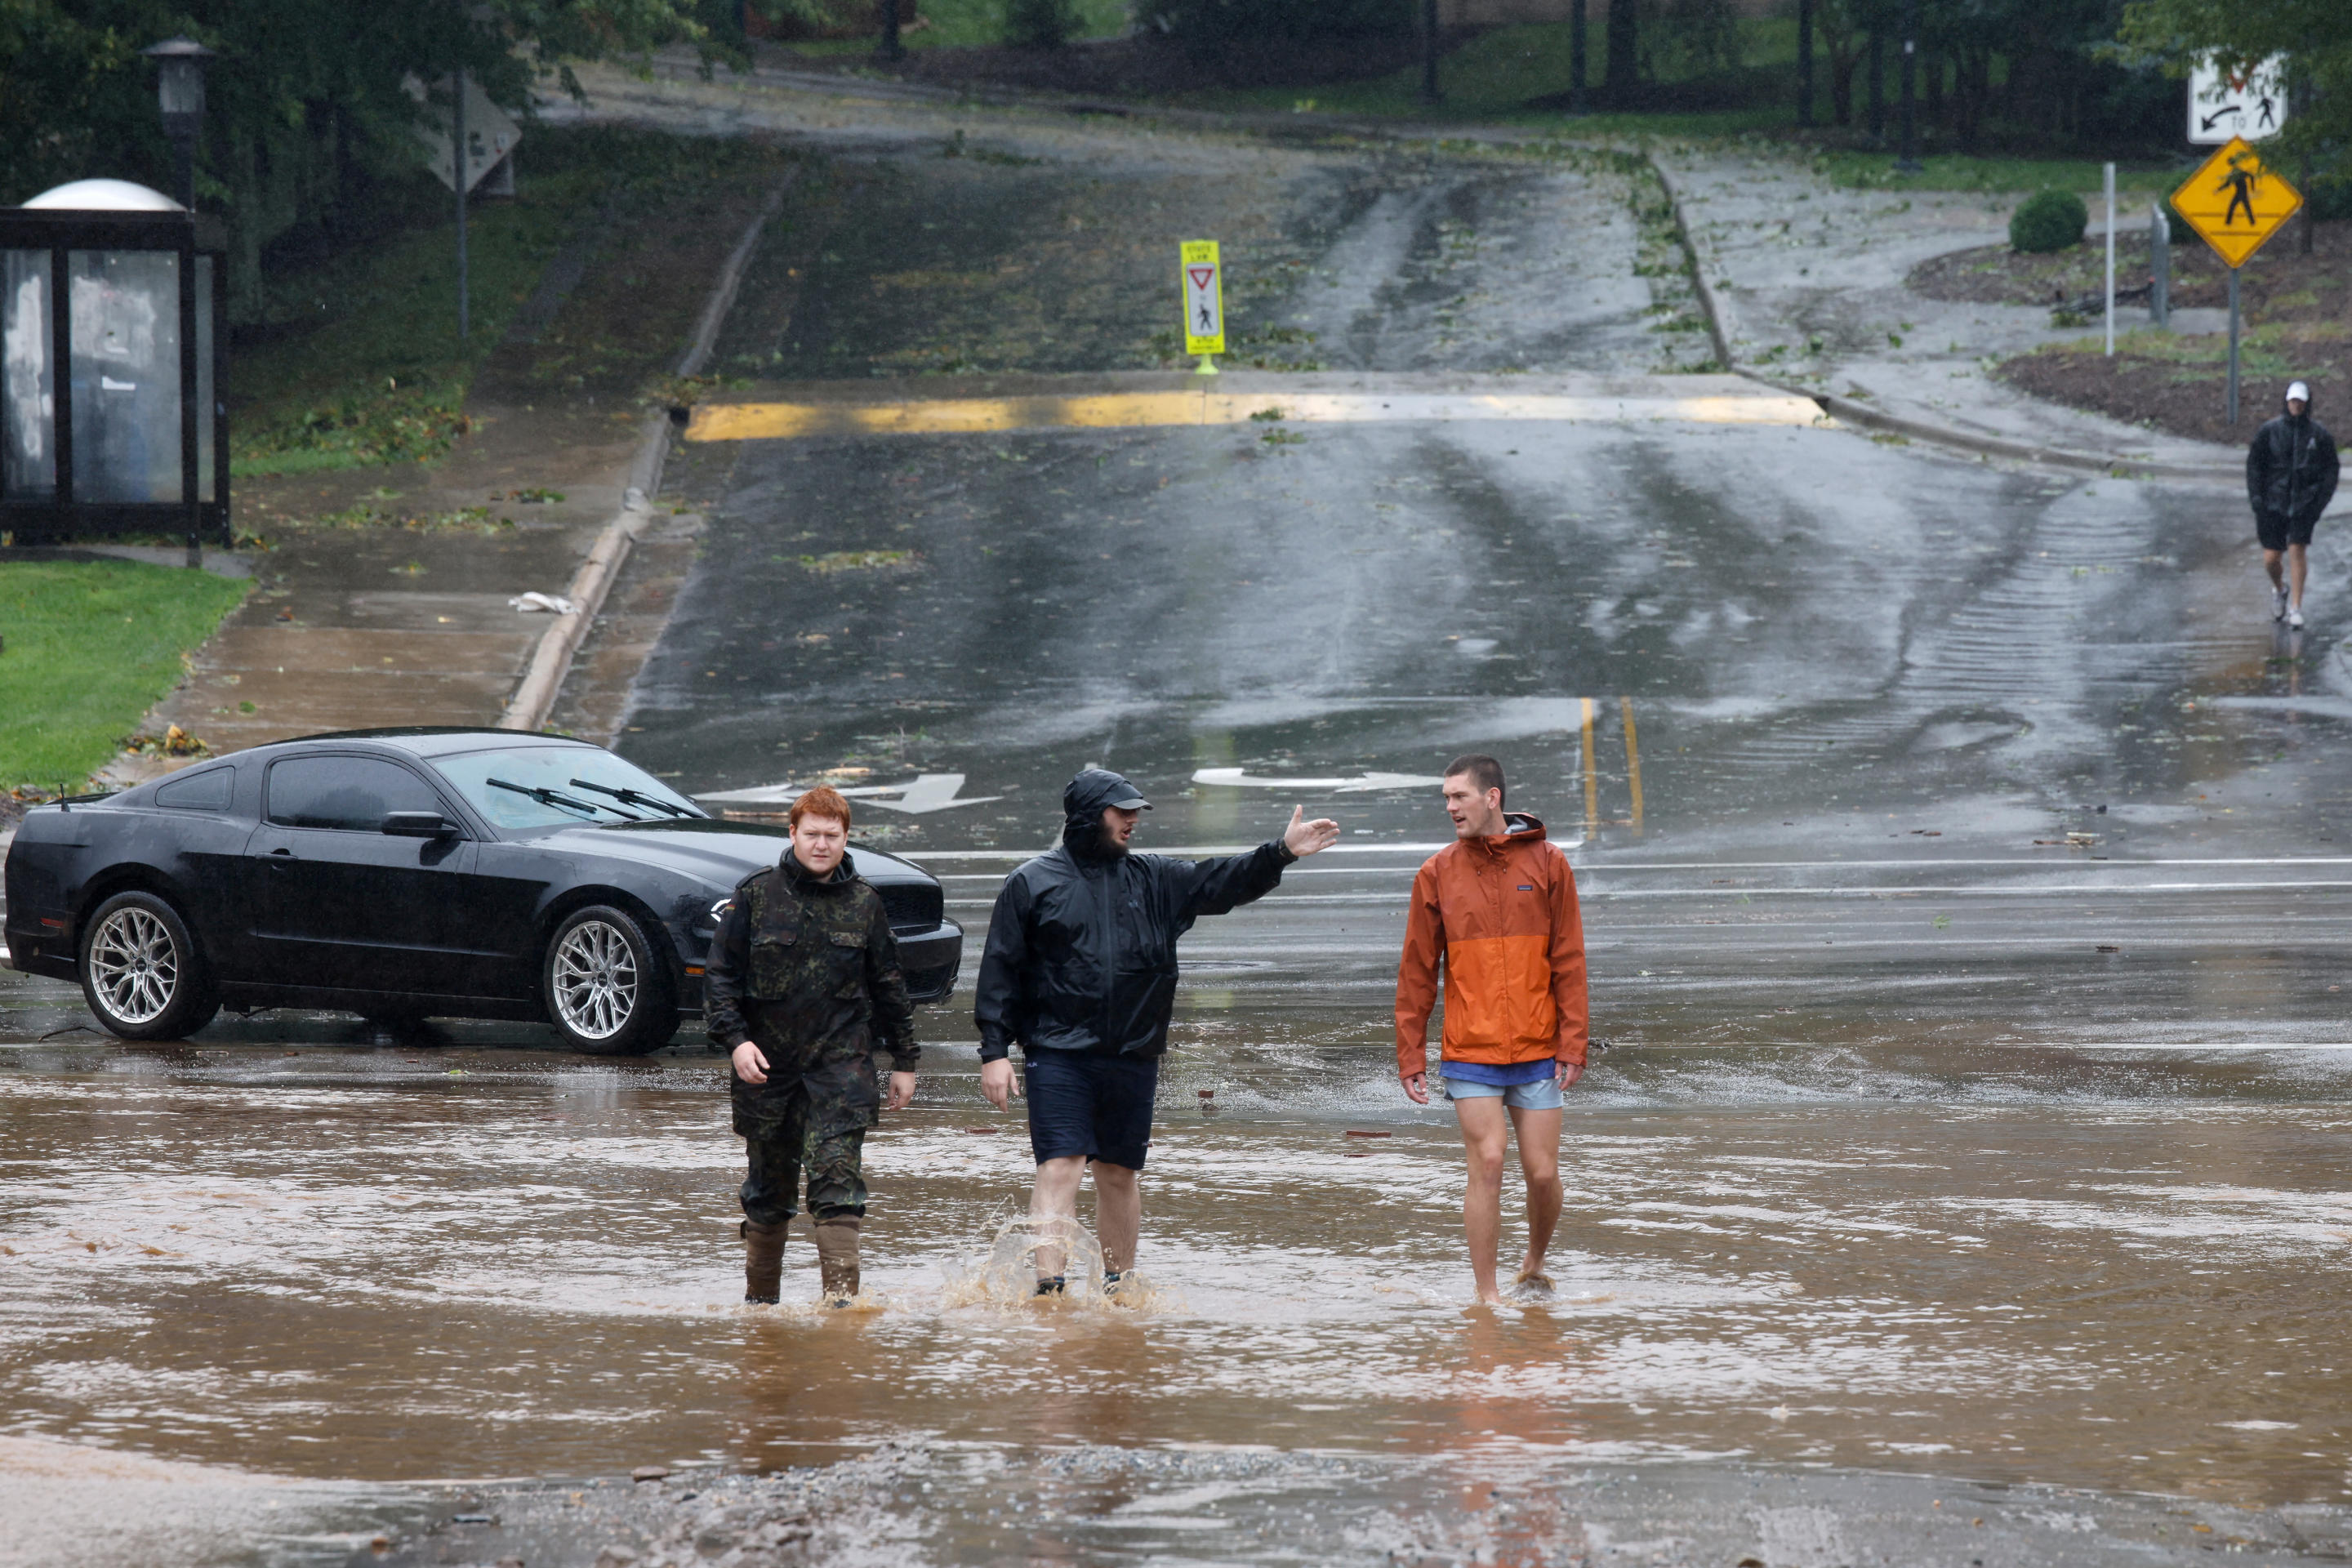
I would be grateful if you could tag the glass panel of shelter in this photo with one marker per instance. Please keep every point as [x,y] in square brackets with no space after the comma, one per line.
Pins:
[124,360]
[28,443]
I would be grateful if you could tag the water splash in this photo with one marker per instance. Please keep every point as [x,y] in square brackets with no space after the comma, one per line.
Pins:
[1006,1275]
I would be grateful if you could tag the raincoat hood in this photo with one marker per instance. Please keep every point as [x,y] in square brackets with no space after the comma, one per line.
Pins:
[1083,801]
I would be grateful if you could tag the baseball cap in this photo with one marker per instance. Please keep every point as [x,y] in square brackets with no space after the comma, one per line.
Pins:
[2298,391]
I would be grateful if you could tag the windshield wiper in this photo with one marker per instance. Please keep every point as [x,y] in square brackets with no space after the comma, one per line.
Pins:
[552,797]
[633,797]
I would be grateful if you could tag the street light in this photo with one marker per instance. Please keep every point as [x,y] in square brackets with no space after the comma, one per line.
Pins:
[1908,163]
[180,89]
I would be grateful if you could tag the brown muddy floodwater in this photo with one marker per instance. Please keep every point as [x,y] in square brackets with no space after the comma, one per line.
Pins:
[2112,1270]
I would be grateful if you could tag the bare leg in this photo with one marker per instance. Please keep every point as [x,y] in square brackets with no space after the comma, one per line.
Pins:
[1485,1131]
[1539,1136]
[2295,568]
[1118,1214]
[1056,1196]
[2271,564]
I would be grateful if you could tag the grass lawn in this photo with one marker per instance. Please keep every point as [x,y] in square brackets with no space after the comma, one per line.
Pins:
[86,648]
[359,361]
[1958,172]
[967,23]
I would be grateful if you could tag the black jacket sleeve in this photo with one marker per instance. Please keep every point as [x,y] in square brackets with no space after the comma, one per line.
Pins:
[2258,470]
[996,1006]
[723,975]
[2327,471]
[1214,886]
[886,983]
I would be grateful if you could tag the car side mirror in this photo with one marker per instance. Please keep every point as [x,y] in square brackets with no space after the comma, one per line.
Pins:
[419,824]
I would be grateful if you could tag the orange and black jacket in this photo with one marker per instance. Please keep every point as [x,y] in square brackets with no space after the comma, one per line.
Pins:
[1499,915]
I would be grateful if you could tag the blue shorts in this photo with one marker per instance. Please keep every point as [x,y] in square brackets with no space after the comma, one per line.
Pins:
[1097,1106]
[1541,1095]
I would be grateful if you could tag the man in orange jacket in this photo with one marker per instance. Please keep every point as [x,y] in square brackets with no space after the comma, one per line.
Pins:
[1498,909]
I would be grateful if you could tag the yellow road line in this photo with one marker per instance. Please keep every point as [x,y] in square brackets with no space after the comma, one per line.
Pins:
[1632,759]
[1143,410]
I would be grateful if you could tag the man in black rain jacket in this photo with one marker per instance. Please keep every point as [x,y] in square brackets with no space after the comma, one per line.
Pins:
[1080,970]
[2290,479]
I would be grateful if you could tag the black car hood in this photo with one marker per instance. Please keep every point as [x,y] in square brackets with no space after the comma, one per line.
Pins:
[717,852]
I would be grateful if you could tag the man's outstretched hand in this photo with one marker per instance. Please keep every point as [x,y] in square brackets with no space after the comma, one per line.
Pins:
[1303,839]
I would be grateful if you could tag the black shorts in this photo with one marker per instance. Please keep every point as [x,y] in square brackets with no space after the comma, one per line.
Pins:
[2277,532]
[1097,1106]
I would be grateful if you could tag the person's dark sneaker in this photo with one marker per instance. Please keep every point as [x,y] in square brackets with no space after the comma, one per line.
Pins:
[1053,1287]
[1111,1278]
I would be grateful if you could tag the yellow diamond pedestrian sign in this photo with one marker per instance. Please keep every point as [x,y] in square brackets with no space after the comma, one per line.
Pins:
[2236,201]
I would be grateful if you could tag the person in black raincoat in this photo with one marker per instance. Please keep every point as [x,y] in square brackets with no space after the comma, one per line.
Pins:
[1080,971]
[803,985]
[2290,479]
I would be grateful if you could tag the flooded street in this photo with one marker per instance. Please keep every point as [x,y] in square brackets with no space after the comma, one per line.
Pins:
[1963,867]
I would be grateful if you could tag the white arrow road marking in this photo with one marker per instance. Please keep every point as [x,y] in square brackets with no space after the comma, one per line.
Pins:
[928,793]
[1241,780]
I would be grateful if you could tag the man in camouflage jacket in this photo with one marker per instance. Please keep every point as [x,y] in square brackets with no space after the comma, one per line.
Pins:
[802,986]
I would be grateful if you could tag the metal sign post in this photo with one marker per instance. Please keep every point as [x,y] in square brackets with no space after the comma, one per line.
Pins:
[457,183]
[2231,401]
[2111,260]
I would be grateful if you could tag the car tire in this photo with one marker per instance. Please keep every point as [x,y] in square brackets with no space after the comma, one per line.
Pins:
[141,972]
[607,986]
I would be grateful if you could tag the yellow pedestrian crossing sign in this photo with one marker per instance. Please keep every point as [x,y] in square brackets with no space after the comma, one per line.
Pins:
[2235,201]
[1205,298]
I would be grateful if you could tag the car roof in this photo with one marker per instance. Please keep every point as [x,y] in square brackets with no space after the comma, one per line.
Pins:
[436,740]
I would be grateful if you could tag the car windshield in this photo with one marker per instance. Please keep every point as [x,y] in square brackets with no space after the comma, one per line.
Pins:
[540,786]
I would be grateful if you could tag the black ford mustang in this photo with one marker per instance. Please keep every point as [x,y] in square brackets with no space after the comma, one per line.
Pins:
[403,874]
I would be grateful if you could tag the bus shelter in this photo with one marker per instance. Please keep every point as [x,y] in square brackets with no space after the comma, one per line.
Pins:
[112,362]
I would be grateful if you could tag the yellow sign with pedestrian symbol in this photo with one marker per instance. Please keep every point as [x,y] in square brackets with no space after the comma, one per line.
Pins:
[1205,298]
[2235,201]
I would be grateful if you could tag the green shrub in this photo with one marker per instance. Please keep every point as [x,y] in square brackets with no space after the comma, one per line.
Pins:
[1041,23]
[2049,220]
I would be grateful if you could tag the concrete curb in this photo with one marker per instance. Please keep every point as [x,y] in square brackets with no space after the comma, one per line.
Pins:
[1854,413]
[551,661]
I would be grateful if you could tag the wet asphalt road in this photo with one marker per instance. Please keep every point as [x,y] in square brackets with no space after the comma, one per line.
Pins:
[1950,1125]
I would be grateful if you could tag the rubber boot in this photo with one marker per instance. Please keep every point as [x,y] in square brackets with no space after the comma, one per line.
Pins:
[763,1260]
[837,1258]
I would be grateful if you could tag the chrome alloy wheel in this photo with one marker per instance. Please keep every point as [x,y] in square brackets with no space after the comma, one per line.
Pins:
[596,980]
[134,965]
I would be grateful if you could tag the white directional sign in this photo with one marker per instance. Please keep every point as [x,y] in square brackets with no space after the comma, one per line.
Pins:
[2251,105]
[926,794]
[1239,779]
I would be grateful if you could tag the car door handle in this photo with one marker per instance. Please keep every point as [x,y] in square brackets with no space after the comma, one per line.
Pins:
[289,854]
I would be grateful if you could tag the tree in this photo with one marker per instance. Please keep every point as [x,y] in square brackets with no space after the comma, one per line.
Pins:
[305,103]
[2315,35]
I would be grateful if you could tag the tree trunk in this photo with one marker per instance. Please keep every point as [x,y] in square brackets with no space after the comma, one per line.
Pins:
[1621,86]
[1877,85]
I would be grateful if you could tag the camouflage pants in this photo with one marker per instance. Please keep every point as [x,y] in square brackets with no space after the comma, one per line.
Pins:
[833,1164]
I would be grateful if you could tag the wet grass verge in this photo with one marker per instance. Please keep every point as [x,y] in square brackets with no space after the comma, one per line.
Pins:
[86,648]
[2298,316]
[357,360]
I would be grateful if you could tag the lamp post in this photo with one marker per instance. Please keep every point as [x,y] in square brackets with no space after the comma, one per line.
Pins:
[1908,163]
[180,91]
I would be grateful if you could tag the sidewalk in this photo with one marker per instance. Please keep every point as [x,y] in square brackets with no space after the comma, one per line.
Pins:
[384,625]
[1806,283]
